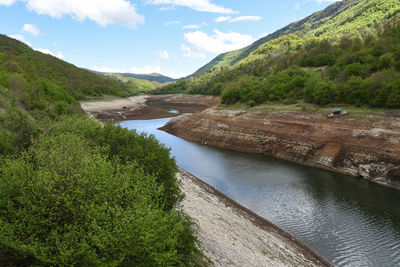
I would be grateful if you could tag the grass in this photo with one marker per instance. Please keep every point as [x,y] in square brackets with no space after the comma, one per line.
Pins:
[357,113]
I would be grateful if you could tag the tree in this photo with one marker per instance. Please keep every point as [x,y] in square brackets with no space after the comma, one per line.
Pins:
[63,202]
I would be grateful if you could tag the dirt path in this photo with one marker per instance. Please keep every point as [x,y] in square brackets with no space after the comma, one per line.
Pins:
[232,235]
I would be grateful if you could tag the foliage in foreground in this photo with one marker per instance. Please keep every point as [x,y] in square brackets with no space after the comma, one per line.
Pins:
[83,194]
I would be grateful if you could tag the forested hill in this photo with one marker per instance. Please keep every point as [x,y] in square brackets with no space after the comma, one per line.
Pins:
[358,65]
[340,18]
[45,84]
[153,77]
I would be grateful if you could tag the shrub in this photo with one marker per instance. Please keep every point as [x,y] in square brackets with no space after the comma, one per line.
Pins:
[64,203]
[128,146]
[353,69]
[385,61]
[17,129]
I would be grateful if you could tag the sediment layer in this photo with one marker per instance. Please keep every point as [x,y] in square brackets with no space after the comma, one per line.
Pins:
[360,148]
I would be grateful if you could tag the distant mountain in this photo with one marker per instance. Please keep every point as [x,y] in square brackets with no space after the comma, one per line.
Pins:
[153,77]
[45,85]
[340,18]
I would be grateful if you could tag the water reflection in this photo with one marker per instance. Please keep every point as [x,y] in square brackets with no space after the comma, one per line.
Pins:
[347,221]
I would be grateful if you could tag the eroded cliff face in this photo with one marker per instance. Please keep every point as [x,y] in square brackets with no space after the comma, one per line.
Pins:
[360,148]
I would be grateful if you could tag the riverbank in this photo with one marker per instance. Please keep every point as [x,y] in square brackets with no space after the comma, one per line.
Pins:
[232,235]
[147,107]
[364,148]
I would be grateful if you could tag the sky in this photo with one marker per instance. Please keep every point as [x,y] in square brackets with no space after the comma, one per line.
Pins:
[171,37]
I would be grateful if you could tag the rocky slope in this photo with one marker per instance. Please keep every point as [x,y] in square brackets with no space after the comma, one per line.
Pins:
[231,235]
[363,148]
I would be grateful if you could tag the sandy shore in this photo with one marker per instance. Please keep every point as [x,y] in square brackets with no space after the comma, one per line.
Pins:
[131,108]
[147,107]
[232,235]
[130,102]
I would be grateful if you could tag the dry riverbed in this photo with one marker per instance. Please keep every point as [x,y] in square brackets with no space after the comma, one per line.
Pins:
[232,235]
[146,107]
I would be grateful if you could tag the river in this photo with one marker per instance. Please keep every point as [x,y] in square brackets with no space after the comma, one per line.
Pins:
[347,221]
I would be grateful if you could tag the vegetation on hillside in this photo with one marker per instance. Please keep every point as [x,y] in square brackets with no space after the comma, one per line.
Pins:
[358,69]
[45,85]
[75,192]
[340,18]
[137,86]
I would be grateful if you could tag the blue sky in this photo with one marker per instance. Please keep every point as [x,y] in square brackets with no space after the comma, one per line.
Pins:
[172,37]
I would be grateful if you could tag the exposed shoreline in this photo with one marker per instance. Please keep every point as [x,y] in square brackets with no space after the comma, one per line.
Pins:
[146,107]
[232,235]
[359,148]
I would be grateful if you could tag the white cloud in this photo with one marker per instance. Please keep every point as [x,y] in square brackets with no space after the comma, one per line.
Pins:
[187,52]
[47,51]
[103,12]
[192,26]
[199,5]
[7,2]
[222,18]
[246,18]
[296,6]
[107,69]
[265,34]
[169,23]
[195,26]
[163,54]
[165,8]
[32,29]
[20,38]
[146,69]
[321,1]
[218,42]
[241,18]
[59,55]
[176,75]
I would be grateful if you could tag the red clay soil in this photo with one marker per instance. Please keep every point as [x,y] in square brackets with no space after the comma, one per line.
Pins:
[360,148]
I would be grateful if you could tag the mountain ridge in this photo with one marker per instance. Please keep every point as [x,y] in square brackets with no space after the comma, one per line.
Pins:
[315,24]
[152,77]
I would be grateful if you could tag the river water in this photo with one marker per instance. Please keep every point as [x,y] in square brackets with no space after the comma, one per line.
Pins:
[347,221]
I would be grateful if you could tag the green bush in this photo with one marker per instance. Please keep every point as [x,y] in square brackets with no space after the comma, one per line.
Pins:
[128,146]
[353,69]
[64,203]
[385,61]
[17,129]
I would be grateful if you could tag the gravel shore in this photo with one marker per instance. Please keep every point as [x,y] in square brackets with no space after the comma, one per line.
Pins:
[232,235]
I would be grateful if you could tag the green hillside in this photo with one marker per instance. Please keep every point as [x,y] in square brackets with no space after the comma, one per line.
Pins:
[74,191]
[351,58]
[137,86]
[45,85]
[340,18]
